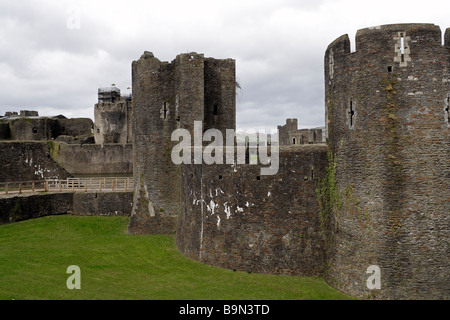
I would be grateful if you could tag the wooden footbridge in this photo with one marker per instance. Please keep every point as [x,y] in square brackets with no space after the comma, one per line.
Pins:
[110,184]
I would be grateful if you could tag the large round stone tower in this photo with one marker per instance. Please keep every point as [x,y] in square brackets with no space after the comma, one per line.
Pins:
[387,109]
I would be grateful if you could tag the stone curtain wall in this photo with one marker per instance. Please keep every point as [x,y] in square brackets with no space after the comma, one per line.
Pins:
[31,206]
[102,204]
[32,129]
[235,218]
[93,159]
[28,161]
[19,208]
[388,129]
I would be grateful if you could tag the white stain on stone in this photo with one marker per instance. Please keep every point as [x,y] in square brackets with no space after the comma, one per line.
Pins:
[227,210]
[212,207]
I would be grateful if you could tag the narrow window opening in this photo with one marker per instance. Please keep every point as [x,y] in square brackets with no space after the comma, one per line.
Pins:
[351,113]
[258,178]
[220,177]
[389,69]
[312,174]
[165,110]
[35,130]
[294,141]
[447,110]
[216,109]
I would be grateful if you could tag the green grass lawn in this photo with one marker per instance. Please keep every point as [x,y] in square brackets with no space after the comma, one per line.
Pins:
[35,254]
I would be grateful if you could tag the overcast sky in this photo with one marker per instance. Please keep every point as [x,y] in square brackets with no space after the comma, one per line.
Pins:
[55,54]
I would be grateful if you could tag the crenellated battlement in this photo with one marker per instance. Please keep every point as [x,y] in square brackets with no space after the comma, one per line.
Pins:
[394,45]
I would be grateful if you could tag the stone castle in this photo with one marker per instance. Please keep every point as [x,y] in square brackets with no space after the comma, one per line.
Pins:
[376,194]
[371,189]
[289,134]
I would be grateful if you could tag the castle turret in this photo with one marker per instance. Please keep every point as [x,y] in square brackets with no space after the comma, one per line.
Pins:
[387,116]
[113,117]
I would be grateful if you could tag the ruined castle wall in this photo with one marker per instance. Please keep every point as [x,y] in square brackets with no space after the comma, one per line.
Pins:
[32,206]
[33,129]
[25,207]
[235,218]
[112,122]
[166,97]
[74,127]
[93,159]
[107,204]
[156,112]
[220,94]
[27,161]
[388,128]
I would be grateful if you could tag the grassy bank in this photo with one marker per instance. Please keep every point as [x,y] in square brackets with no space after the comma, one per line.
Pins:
[35,254]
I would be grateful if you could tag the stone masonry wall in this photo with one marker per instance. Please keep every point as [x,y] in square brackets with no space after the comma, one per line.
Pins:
[157,179]
[93,159]
[31,206]
[32,129]
[235,218]
[19,208]
[388,129]
[102,204]
[112,122]
[168,96]
[28,161]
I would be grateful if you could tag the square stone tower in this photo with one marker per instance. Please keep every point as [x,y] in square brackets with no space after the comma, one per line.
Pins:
[168,96]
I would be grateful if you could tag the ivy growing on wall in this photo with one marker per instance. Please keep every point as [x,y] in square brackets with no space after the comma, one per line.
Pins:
[327,193]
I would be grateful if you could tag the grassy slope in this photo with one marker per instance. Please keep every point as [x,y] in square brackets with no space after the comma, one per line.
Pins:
[35,254]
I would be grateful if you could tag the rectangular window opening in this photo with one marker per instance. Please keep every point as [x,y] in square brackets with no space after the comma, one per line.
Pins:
[216,109]
[165,110]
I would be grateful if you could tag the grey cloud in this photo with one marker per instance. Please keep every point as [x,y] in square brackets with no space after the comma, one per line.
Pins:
[278,47]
